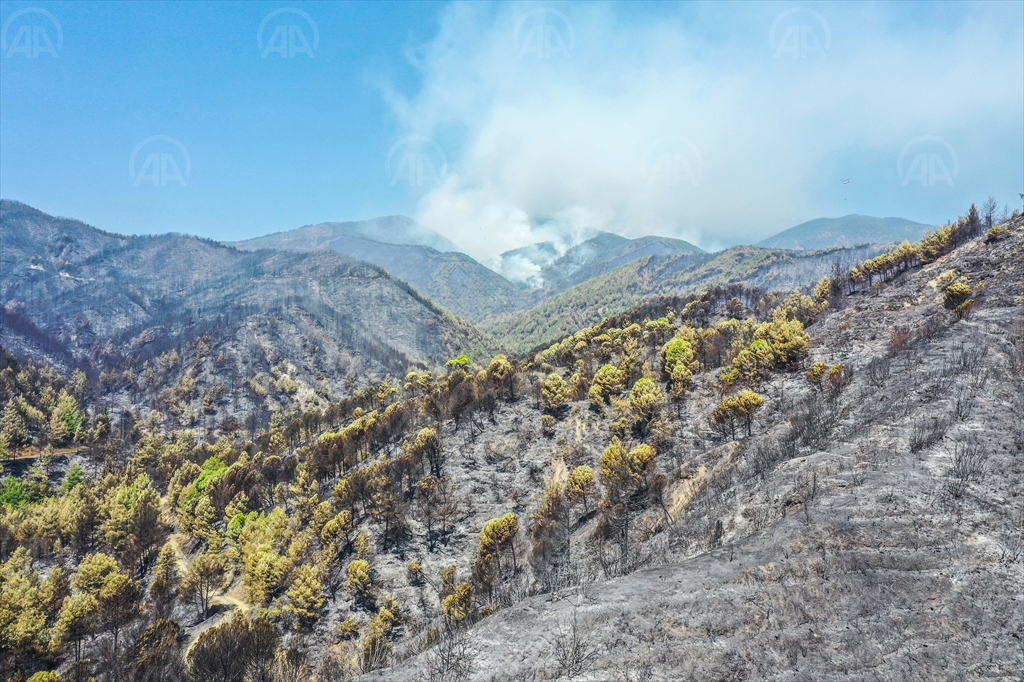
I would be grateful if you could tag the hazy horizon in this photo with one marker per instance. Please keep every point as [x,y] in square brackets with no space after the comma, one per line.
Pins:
[488,262]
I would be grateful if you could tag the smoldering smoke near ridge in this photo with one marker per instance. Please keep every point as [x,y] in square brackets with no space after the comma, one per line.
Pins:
[566,138]
[553,238]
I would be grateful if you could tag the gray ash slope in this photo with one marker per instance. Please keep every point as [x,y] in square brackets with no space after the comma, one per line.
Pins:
[86,293]
[877,539]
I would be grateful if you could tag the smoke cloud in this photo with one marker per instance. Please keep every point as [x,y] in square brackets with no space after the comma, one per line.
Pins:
[714,124]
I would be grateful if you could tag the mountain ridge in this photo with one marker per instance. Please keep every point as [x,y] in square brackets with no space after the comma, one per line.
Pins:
[554,270]
[848,230]
[450,278]
[617,290]
[328,316]
[391,229]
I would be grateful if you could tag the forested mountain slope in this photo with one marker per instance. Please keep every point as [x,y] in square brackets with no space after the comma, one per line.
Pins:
[541,267]
[625,286]
[452,279]
[324,320]
[728,484]
[592,258]
[603,275]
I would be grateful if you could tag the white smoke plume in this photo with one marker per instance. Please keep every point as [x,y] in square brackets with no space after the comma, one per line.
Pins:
[683,121]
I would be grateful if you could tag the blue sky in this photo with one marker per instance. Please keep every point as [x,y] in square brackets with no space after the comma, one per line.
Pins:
[501,124]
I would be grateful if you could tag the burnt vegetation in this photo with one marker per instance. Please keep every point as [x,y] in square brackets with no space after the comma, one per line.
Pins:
[785,475]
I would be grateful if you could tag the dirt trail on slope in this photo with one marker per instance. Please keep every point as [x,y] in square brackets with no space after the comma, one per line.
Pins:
[219,600]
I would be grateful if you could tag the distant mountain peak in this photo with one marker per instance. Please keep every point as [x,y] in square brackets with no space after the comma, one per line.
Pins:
[392,229]
[544,265]
[331,316]
[410,252]
[824,233]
